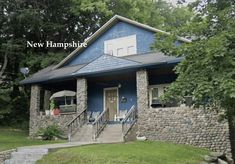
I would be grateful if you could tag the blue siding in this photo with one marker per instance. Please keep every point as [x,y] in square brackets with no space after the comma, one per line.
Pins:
[121,29]
[127,90]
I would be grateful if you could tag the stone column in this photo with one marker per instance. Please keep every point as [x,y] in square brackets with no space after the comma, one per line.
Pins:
[81,94]
[34,107]
[47,95]
[142,90]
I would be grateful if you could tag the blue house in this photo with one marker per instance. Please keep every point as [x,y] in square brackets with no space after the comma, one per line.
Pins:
[109,92]
[108,81]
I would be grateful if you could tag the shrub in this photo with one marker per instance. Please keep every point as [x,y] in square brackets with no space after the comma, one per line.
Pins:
[50,132]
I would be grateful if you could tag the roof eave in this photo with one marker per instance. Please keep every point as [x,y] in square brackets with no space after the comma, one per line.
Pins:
[72,76]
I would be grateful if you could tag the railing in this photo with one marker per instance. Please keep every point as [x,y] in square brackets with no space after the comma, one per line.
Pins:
[129,120]
[77,122]
[100,123]
[68,108]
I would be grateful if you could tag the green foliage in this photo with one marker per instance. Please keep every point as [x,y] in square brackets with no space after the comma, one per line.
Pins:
[12,138]
[208,70]
[4,101]
[50,132]
[52,104]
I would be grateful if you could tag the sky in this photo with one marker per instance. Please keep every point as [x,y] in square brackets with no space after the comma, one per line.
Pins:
[175,1]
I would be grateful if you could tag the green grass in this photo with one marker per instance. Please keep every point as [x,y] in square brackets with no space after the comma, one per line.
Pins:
[128,153]
[11,138]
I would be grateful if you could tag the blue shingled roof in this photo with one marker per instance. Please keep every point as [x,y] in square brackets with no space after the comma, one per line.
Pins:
[106,63]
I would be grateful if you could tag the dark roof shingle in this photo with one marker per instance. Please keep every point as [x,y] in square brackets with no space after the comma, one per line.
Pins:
[104,63]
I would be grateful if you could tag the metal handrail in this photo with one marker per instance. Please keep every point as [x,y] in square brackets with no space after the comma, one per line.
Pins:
[129,120]
[75,123]
[100,123]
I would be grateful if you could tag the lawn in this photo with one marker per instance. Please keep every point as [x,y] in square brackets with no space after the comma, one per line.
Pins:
[129,153]
[11,138]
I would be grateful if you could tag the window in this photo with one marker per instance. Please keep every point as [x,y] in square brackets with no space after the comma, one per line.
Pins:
[109,49]
[110,52]
[155,91]
[155,96]
[121,46]
[120,51]
[131,50]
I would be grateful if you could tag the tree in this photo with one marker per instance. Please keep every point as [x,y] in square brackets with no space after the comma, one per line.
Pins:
[60,21]
[208,69]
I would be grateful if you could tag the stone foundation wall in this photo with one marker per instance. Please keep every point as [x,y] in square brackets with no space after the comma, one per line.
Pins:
[184,125]
[44,121]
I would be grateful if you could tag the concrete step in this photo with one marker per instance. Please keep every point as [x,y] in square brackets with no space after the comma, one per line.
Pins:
[108,139]
[14,161]
[23,155]
[32,150]
[26,155]
[111,133]
[84,134]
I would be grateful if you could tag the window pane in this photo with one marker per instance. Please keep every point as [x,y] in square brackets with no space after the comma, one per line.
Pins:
[110,52]
[120,52]
[121,46]
[130,50]
[155,96]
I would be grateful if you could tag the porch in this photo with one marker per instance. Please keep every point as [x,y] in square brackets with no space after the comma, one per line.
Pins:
[100,99]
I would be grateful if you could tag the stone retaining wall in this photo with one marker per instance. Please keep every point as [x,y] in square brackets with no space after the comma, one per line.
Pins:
[43,121]
[184,125]
[131,135]
[4,155]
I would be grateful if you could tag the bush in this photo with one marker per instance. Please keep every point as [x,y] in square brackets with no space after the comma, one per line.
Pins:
[50,132]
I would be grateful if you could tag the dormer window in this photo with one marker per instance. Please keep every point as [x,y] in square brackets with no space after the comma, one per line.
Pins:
[121,46]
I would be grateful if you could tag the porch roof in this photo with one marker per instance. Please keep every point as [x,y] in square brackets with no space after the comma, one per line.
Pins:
[103,64]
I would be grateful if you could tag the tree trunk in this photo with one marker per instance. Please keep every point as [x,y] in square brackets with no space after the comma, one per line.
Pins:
[3,66]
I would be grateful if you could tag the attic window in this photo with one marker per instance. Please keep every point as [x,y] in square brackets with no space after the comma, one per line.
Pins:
[121,46]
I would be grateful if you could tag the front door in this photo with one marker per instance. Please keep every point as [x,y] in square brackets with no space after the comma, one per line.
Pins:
[111,101]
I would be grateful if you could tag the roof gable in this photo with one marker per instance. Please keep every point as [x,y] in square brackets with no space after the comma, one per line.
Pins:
[144,40]
[104,28]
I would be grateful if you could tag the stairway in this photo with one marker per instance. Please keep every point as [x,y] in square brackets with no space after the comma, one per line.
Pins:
[84,134]
[112,133]
[26,156]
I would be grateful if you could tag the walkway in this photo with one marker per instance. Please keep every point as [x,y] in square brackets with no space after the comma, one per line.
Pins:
[30,154]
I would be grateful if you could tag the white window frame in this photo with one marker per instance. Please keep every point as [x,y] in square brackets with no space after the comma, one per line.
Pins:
[121,43]
[160,91]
